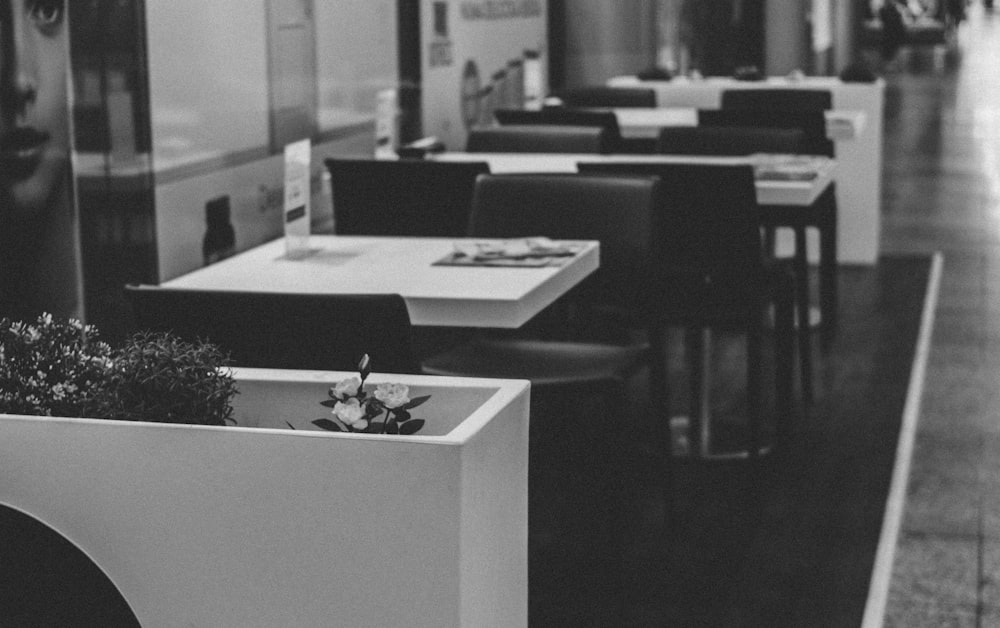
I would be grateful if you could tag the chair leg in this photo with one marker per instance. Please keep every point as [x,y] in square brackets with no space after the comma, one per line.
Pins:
[770,239]
[828,288]
[784,355]
[755,336]
[802,306]
[614,468]
[694,354]
[659,384]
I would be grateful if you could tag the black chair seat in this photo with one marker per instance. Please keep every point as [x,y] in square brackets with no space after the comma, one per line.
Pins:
[566,116]
[539,138]
[408,197]
[283,330]
[544,363]
[605,96]
[777,98]
[722,140]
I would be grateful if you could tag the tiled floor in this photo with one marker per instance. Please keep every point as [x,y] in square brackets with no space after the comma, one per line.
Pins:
[942,187]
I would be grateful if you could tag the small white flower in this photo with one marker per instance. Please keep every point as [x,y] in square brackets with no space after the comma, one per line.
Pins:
[351,413]
[393,395]
[346,388]
[58,392]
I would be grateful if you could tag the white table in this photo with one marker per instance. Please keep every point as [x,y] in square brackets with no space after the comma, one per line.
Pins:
[768,192]
[859,176]
[646,122]
[453,296]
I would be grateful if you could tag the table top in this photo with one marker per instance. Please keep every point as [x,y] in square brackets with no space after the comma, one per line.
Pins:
[454,296]
[769,192]
[716,83]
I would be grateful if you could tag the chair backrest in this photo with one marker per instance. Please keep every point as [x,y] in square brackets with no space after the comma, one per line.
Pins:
[564,116]
[538,138]
[707,140]
[406,197]
[280,330]
[777,98]
[605,96]
[812,123]
[706,231]
[615,210]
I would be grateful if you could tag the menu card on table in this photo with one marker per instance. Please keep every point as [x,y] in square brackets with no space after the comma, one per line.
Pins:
[297,198]
[517,253]
[769,167]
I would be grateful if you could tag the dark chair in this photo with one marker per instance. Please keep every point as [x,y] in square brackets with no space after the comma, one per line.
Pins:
[746,141]
[283,330]
[605,96]
[822,215]
[564,116]
[727,140]
[789,99]
[711,272]
[406,197]
[616,211]
[538,138]
[812,123]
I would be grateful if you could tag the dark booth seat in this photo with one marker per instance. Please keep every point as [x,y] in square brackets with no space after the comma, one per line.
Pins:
[283,330]
[702,140]
[778,98]
[604,96]
[569,116]
[539,138]
[406,197]
[812,123]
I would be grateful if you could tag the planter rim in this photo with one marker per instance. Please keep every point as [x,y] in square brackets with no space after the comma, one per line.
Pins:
[505,391]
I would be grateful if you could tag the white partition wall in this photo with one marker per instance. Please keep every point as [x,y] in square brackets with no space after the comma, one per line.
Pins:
[231,87]
[472,61]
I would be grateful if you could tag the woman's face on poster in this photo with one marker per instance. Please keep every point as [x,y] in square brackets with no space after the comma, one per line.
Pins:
[34,110]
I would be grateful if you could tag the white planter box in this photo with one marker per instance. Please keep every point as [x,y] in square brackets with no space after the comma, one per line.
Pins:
[259,525]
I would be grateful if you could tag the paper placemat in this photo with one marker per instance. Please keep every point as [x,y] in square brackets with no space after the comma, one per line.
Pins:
[526,253]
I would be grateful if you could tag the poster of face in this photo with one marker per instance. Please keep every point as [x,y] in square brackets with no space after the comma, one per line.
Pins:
[39,241]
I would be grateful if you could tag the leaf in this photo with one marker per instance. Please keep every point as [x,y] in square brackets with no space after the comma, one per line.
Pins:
[411,427]
[392,428]
[328,425]
[402,415]
[416,401]
[329,403]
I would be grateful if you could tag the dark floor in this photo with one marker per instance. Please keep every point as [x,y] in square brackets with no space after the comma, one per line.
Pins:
[789,543]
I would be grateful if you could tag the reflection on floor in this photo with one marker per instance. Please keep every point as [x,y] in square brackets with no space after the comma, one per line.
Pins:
[942,192]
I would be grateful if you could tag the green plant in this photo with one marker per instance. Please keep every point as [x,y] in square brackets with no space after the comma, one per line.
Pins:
[52,367]
[159,377]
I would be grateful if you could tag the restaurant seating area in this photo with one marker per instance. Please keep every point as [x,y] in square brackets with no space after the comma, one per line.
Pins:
[677,387]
